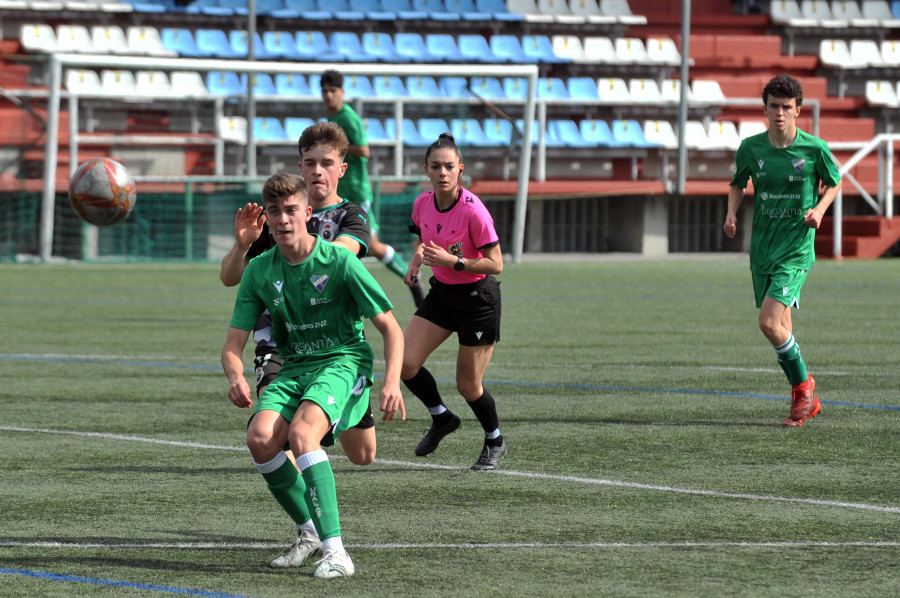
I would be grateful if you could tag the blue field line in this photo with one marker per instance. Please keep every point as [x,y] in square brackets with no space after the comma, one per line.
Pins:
[120,584]
[453,381]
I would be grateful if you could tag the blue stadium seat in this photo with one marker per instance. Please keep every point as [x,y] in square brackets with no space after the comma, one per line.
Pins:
[598,132]
[295,125]
[432,128]
[182,41]
[282,44]
[373,10]
[375,131]
[209,8]
[239,38]
[568,132]
[412,47]
[550,139]
[348,46]
[267,128]
[238,7]
[475,48]
[629,133]
[214,43]
[356,86]
[263,85]
[552,88]
[443,46]
[540,48]
[343,10]
[467,10]
[315,47]
[381,45]
[226,83]
[404,10]
[436,10]
[498,132]
[149,6]
[423,87]
[389,86]
[509,49]
[292,85]
[515,88]
[468,131]
[497,9]
[302,9]
[895,9]
[408,130]
[455,87]
[268,7]
[488,88]
[583,88]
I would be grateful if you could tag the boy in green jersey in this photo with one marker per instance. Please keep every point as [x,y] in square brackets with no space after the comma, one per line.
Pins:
[787,166]
[354,185]
[317,295]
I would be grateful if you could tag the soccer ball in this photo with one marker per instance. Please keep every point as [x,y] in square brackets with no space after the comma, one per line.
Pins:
[102,192]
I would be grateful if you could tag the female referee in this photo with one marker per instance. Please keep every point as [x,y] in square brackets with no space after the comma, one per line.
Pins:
[458,242]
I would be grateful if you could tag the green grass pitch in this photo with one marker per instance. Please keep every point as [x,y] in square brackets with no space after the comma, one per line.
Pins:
[641,404]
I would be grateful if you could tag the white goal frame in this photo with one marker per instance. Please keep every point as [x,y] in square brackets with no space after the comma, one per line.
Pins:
[55,83]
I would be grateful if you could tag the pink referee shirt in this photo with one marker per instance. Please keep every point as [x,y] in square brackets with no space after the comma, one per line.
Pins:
[462,230]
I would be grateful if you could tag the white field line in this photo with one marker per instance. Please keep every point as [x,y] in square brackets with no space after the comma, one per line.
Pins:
[495,363]
[522,474]
[462,545]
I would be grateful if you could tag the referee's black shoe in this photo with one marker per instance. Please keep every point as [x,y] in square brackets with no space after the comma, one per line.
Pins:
[490,457]
[435,434]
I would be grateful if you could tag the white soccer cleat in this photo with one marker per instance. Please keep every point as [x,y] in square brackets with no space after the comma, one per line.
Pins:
[334,564]
[306,545]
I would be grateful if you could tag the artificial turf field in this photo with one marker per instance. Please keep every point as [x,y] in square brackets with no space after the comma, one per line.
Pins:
[640,402]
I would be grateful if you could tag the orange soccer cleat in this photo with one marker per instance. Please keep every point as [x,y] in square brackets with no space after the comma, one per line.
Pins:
[804,403]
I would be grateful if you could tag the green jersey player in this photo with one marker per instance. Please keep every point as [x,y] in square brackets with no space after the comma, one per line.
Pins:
[787,167]
[317,295]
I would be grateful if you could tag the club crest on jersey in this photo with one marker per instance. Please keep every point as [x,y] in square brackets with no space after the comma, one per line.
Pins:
[319,281]
[327,230]
[798,163]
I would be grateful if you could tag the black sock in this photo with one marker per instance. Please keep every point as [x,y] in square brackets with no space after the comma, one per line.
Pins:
[424,386]
[486,411]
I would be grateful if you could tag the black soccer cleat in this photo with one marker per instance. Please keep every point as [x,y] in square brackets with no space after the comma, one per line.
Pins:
[435,434]
[490,457]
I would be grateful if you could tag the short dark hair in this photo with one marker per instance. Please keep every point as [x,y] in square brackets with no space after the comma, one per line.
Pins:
[783,86]
[283,185]
[328,134]
[444,141]
[332,78]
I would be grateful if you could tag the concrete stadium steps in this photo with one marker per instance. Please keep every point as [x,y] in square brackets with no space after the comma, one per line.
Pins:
[863,237]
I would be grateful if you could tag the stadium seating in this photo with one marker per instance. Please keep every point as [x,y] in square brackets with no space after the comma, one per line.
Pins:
[269,130]
[315,47]
[355,86]
[37,37]
[662,133]
[389,87]
[423,87]
[488,88]
[598,133]
[239,40]
[146,40]
[109,39]
[381,46]
[475,48]
[411,47]
[881,93]
[74,38]
[295,125]
[629,133]
[291,85]
[153,84]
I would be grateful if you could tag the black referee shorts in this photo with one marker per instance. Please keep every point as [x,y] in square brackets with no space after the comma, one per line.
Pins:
[470,310]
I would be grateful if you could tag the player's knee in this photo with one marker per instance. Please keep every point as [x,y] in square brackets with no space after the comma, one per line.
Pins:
[469,389]
[262,446]
[363,456]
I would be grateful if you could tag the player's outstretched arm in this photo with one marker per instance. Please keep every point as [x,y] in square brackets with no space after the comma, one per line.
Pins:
[248,225]
[391,399]
[233,364]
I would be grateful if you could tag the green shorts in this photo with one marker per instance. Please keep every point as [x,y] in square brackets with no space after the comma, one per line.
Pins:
[338,389]
[783,286]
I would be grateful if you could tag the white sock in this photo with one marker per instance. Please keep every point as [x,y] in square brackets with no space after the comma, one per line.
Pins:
[388,255]
[336,544]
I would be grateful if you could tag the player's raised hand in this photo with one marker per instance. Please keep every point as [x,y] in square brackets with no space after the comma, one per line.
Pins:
[248,223]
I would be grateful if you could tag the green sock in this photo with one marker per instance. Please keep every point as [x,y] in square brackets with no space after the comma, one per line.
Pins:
[286,486]
[394,262]
[321,494]
[791,361]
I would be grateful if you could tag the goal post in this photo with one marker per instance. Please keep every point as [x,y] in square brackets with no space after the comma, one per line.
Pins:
[58,62]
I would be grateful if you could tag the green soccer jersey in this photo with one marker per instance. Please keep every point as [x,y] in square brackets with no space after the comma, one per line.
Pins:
[786,185]
[354,185]
[317,307]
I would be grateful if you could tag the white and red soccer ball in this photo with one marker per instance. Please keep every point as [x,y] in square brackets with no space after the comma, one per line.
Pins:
[102,192]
